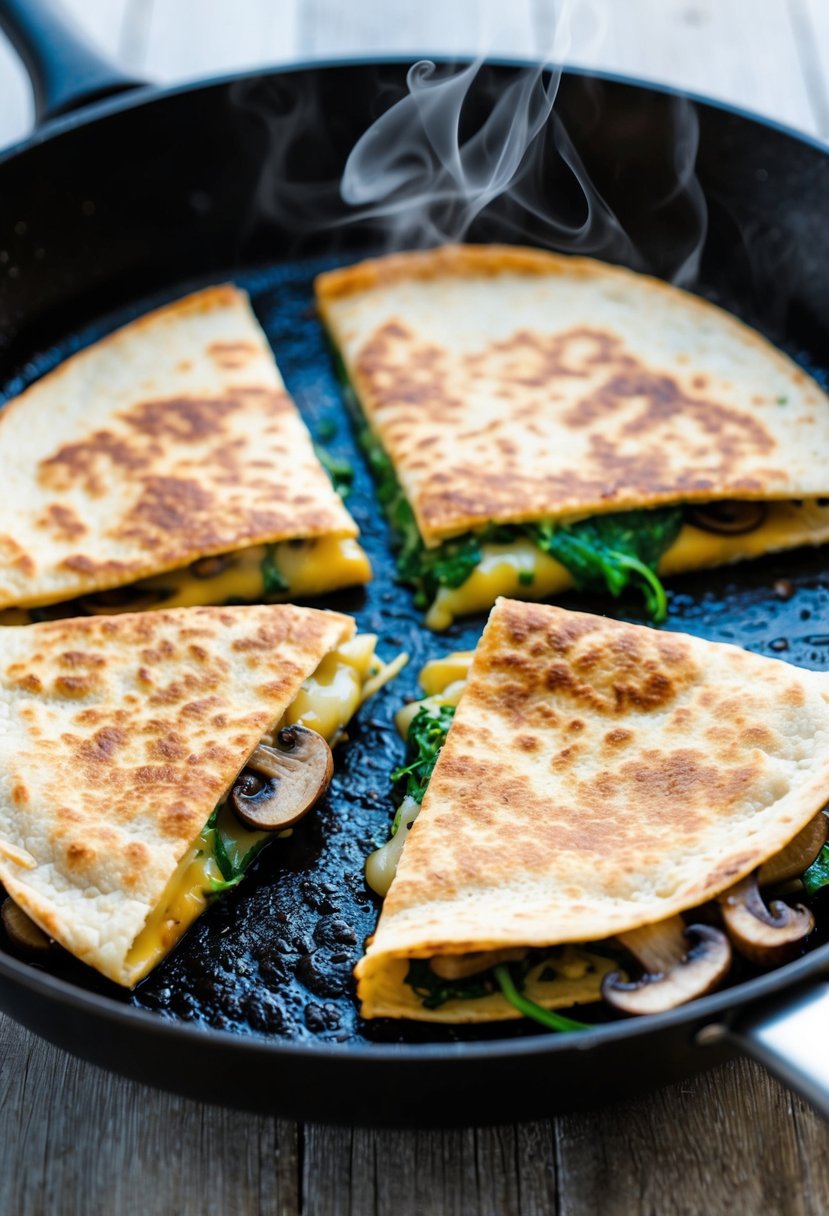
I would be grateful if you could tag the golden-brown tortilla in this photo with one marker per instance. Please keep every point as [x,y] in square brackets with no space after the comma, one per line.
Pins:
[171,439]
[511,384]
[118,736]
[597,776]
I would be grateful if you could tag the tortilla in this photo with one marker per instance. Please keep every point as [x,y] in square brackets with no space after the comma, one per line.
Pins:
[511,385]
[171,439]
[118,737]
[597,777]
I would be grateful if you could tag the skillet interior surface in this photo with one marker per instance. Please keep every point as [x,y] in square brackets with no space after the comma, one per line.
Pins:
[275,957]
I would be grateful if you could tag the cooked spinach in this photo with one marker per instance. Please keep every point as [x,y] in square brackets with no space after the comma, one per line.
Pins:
[545,1017]
[272,578]
[339,470]
[817,875]
[435,991]
[611,551]
[604,552]
[232,871]
[427,735]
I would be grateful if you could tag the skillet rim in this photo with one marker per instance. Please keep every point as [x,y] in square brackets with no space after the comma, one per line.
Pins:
[150,93]
[60,993]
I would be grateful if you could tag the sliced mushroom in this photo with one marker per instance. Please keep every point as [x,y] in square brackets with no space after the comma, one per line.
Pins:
[459,966]
[280,783]
[679,964]
[132,598]
[728,517]
[798,854]
[764,935]
[24,935]
[209,567]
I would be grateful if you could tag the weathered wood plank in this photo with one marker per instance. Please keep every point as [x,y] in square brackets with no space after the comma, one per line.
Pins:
[744,51]
[810,19]
[467,1172]
[191,38]
[732,1140]
[397,26]
[81,1142]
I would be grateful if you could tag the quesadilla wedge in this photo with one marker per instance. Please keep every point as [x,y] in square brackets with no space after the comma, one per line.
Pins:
[130,745]
[598,783]
[537,421]
[166,465]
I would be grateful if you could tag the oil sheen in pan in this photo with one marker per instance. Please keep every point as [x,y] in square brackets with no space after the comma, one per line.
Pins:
[275,955]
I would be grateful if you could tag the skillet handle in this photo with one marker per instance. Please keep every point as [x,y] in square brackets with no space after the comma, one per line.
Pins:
[66,73]
[790,1037]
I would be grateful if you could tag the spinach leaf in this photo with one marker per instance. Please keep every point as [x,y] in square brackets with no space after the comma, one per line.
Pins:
[611,551]
[603,552]
[435,991]
[272,577]
[817,875]
[427,735]
[340,471]
[546,1017]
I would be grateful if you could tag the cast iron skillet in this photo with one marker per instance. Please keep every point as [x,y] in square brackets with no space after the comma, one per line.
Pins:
[143,194]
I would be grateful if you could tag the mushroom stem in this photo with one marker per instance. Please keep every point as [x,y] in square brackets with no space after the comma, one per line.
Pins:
[798,854]
[766,936]
[679,964]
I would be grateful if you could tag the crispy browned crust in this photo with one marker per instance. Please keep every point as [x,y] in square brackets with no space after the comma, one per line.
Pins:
[170,439]
[580,388]
[599,776]
[118,736]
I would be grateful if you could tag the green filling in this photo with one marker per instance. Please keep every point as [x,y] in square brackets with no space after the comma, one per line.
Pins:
[339,470]
[817,875]
[273,580]
[434,991]
[602,553]
[232,868]
[427,735]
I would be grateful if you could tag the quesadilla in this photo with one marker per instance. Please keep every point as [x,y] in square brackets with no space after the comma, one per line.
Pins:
[170,448]
[598,780]
[537,421]
[128,747]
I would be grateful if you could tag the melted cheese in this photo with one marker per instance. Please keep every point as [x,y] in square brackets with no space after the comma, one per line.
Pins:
[572,975]
[444,680]
[326,702]
[520,570]
[308,567]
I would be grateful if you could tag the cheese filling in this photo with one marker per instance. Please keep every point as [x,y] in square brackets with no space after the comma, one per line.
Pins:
[326,703]
[565,976]
[520,570]
[291,569]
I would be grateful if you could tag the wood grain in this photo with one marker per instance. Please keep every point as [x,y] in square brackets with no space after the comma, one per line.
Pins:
[81,1141]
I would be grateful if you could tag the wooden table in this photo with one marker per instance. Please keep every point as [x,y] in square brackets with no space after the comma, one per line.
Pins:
[78,1140]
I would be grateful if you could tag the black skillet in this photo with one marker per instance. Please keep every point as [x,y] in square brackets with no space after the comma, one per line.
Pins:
[126,196]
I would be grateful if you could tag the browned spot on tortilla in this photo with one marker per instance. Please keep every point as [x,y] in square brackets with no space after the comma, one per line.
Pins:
[14,555]
[232,354]
[181,419]
[62,522]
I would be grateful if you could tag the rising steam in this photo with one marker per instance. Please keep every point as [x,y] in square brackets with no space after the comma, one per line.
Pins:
[465,148]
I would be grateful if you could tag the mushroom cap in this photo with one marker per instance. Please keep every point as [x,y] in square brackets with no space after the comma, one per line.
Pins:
[680,965]
[25,937]
[766,936]
[280,784]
